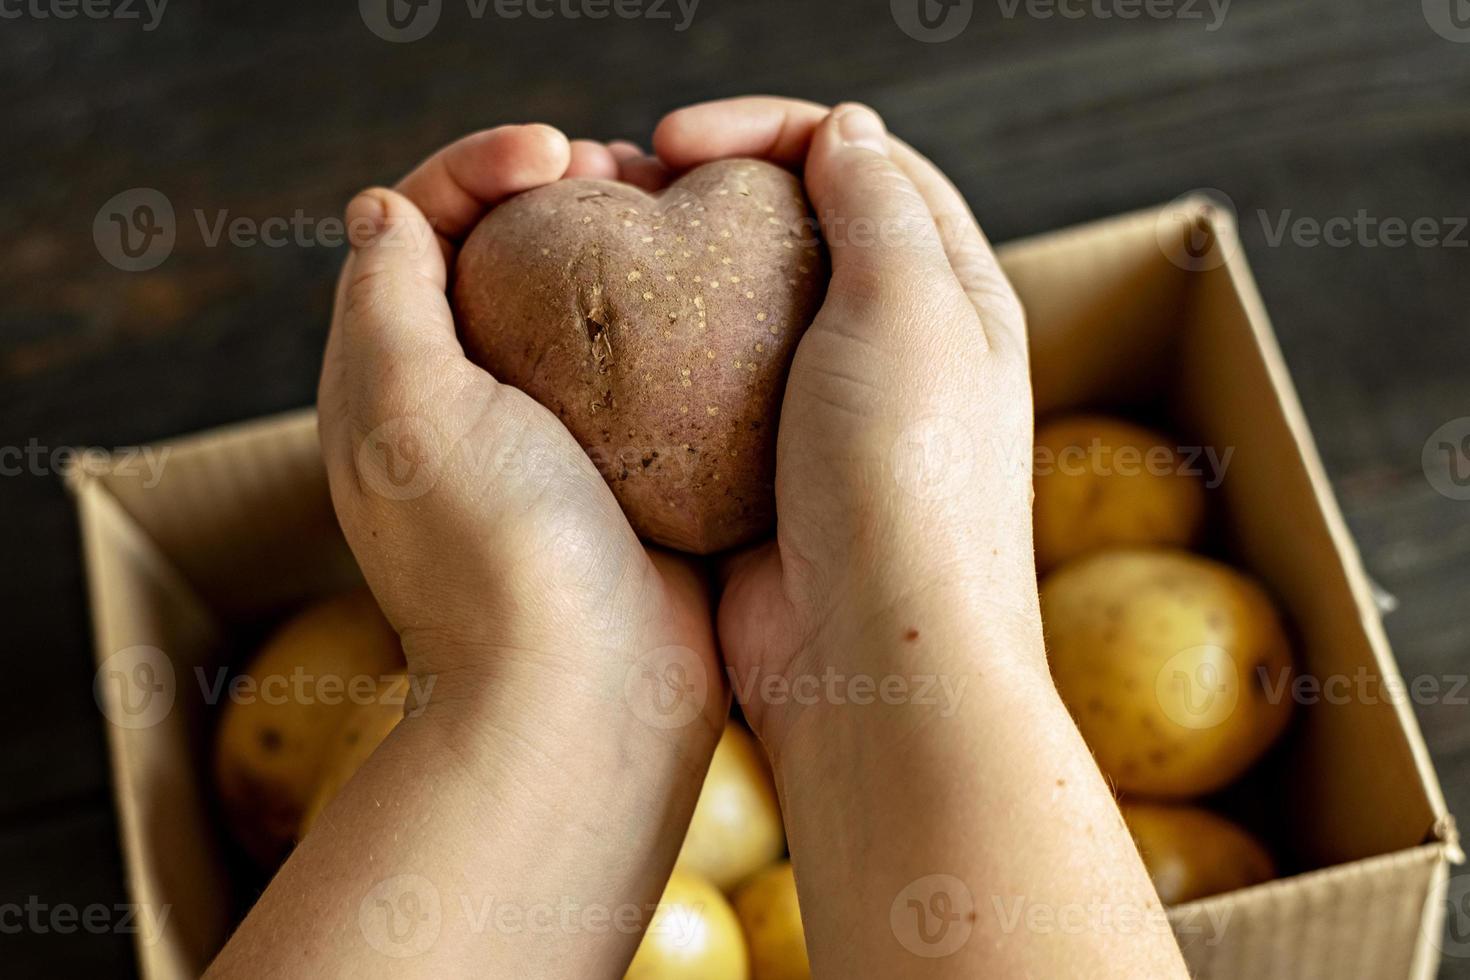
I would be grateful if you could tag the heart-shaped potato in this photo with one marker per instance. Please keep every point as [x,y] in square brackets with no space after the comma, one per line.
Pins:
[659,329]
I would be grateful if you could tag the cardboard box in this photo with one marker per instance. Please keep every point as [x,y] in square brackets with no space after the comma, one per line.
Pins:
[1154,310]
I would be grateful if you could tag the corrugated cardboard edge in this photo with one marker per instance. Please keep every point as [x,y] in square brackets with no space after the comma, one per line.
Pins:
[1376,918]
[185,943]
[1224,226]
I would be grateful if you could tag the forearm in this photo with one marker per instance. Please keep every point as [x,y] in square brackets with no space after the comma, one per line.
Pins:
[966,833]
[522,833]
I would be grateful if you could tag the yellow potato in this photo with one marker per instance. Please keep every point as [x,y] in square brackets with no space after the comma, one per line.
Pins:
[769,913]
[361,733]
[1192,853]
[736,828]
[693,935]
[1101,482]
[1176,668]
[275,726]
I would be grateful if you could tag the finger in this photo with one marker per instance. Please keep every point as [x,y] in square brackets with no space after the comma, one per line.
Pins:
[592,160]
[781,129]
[624,150]
[884,244]
[392,330]
[775,129]
[638,168]
[645,173]
[456,186]
[969,251]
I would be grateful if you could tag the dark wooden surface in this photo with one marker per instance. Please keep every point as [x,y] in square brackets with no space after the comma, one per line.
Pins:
[1318,108]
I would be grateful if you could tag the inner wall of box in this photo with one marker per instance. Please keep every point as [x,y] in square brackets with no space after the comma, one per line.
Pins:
[1115,326]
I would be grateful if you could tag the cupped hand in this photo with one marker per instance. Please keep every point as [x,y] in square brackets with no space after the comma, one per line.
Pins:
[903,486]
[488,536]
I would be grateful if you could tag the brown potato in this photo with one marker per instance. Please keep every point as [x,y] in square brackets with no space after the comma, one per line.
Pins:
[1192,853]
[359,735]
[693,935]
[659,329]
[771,918]
[1176,668]
[736,829]
[1102,482]
[273,737]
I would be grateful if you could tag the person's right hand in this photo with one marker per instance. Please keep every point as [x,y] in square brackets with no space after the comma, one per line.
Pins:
[903,485]
[887,646]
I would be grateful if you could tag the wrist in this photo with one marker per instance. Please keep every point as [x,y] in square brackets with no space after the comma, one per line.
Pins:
[904,660]
[663,704]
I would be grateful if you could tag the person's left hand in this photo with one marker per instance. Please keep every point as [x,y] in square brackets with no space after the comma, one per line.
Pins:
[488,536]
[576,699]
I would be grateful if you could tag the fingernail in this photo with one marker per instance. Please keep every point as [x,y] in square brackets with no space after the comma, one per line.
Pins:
[366,217]
[860,126]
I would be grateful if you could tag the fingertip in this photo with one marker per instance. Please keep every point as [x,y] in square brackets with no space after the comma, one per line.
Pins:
[366,216]
[858,125]
[624,149]
[546,152]
[675,138]
[590,159]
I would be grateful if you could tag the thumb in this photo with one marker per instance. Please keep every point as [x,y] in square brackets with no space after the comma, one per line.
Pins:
[391,323]
[883,239]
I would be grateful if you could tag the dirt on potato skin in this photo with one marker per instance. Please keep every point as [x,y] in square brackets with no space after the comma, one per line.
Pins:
[659,329]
